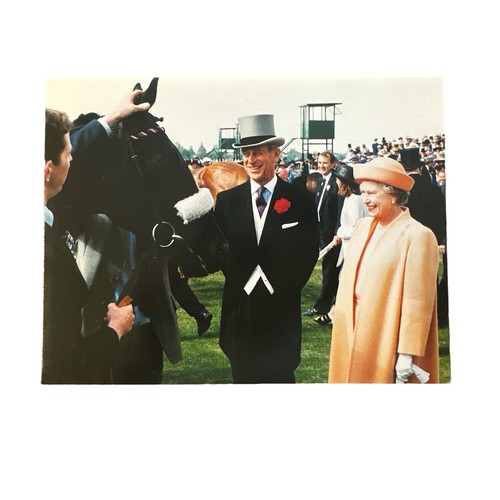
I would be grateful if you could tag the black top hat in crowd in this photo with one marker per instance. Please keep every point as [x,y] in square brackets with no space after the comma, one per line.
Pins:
[345,173]
[410,159]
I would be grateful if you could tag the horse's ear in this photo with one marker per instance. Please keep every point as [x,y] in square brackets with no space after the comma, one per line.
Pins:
[150,93]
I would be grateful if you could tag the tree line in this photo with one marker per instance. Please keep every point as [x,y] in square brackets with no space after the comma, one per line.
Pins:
[217,154]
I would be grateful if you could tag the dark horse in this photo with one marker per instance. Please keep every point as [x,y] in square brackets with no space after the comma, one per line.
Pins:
[157,196]
[142,183]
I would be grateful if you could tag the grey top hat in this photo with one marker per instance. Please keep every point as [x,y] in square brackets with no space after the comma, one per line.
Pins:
[256,130]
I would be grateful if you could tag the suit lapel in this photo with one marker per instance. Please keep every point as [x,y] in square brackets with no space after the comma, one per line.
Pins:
[329,190]
[246,221]
[272,223]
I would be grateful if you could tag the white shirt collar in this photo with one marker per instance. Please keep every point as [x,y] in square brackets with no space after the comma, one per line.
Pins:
[48,216]
[269,186]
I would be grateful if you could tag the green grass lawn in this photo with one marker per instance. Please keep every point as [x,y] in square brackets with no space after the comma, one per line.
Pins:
[204,363]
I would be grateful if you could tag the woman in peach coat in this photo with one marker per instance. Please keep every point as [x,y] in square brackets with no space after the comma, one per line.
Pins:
[385,321]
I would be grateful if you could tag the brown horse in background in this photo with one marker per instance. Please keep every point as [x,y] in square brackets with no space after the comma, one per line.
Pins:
[220,176]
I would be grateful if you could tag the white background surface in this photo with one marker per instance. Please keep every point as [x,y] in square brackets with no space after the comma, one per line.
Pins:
[314,441]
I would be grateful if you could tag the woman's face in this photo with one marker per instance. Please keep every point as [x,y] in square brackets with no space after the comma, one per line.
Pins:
[342,188]
[380,205]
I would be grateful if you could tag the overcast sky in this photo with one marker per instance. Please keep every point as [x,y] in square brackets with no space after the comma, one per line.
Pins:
[195,108]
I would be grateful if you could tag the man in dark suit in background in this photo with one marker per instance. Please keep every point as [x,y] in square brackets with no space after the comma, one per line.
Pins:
[426,202]
[272,230]
[427,205]
[329,206]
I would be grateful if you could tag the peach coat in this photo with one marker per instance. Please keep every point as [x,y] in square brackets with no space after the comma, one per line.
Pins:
[397,310]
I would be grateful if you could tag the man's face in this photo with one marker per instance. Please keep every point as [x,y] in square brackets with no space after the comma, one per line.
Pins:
[324,164]
[59,172]
[259,162]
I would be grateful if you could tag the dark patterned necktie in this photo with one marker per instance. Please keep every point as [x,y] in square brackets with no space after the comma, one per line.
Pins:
[260,200]
[70,241]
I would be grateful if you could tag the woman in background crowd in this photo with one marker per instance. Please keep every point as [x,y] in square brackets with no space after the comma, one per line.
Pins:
[353,209]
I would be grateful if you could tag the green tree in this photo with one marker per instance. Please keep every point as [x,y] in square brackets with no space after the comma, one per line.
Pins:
[202,152]
[183,151]
[292,155]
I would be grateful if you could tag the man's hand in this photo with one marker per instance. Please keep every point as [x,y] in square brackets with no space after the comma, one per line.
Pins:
[124,108]
[120,319]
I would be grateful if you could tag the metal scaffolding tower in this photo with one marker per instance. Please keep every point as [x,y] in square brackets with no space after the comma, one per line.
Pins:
[317,126]
[227,137]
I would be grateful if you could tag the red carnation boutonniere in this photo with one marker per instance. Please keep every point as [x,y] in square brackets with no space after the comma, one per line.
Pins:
[282,205]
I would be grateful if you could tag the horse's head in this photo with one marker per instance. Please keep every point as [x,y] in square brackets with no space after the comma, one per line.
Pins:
[155,195]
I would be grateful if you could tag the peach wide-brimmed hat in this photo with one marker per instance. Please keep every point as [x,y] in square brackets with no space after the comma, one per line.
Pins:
[384,170]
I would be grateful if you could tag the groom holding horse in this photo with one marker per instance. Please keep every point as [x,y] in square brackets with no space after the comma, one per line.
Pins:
[272,230]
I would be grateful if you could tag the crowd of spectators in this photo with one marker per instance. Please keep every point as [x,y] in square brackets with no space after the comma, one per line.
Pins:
[432,153]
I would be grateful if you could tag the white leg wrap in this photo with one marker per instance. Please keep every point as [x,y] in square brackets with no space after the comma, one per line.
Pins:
[195,206]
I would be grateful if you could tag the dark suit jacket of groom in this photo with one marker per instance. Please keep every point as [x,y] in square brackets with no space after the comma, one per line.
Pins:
[287,253]
[68,358]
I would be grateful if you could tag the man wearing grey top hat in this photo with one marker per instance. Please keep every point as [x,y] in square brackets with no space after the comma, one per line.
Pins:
[272,230]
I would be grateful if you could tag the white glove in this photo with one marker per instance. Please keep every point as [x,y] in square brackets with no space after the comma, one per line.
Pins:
[422,375]
[403,368]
